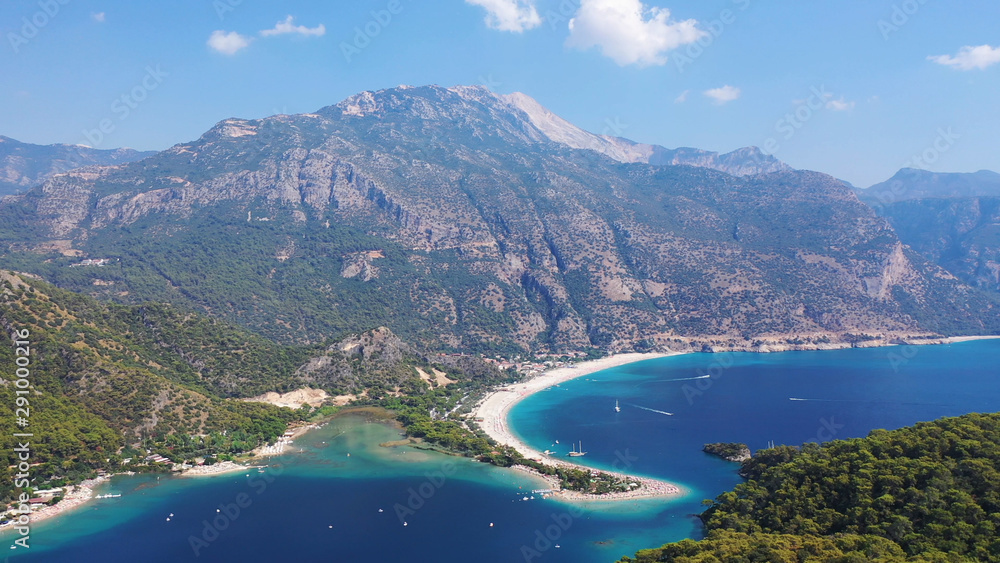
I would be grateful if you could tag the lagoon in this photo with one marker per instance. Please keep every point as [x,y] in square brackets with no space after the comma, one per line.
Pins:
[321,504]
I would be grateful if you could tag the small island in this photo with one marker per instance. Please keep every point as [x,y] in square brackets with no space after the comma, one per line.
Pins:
[729,451]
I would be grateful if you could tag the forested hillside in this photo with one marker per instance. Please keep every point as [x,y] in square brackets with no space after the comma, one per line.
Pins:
[448,216]
[930,491]
[106,378]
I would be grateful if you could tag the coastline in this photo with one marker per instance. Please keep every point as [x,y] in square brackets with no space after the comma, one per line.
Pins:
[76,496]
[493,410]
[80,494]
[220,468]
[781,343]
[957,339]
[283,442]
[495,407]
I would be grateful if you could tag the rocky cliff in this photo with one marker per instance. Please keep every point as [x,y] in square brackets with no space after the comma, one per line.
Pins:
[952,219]
[458,219]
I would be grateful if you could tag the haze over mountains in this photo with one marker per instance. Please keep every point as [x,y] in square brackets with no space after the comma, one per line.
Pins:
[23,165]
[460,218]
[953,219]
[913,183]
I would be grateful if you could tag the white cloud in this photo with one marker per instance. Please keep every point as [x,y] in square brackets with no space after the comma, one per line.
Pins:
[839,105]
[628,32]
[724,94]
[287,26]
[98,17]
[682,98]
[228,43]
[969,58]
[509,15]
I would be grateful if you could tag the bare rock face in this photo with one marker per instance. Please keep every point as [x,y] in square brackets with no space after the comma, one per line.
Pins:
[379,345]
[374,358]
[959,232]
[460,218]
[741,162]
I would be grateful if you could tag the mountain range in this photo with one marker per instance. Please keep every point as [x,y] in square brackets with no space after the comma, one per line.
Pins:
[463,219]
[952,219]
[24,165]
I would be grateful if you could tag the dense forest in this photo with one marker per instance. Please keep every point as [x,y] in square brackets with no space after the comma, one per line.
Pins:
[110,383]
[114,382]
[437,417]
[930,492]
[728,451]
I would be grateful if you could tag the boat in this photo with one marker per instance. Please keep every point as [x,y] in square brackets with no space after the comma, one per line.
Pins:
[576,453]
[617,408]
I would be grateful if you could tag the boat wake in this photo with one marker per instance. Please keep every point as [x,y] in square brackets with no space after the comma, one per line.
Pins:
[686,378]
[652,410]
[859,401]
[641,383]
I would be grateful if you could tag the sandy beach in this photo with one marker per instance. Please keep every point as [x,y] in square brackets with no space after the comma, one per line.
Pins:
[494,408]
[957,339]
[215,469]
[283,443]
[75,497]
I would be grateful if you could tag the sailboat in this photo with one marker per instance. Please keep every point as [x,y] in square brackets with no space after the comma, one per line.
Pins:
[576,453]
[617,408]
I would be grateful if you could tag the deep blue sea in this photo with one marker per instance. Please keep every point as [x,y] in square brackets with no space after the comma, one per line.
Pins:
[322,504]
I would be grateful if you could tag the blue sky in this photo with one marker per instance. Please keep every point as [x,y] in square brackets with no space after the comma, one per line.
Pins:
[854,88]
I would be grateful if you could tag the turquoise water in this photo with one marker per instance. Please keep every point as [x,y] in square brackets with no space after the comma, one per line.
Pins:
[322,505]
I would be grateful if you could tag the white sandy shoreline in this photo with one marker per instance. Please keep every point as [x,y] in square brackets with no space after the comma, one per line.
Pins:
[493,411]
[494,408]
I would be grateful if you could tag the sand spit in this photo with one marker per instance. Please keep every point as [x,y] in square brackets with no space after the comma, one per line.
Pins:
[494,408]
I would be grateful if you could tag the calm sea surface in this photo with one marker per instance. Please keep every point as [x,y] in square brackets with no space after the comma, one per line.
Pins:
[323,504]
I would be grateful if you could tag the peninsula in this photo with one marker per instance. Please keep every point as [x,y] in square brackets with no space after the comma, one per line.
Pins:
[493,410]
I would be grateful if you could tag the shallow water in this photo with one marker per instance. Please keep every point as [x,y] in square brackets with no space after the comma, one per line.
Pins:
[321,504]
